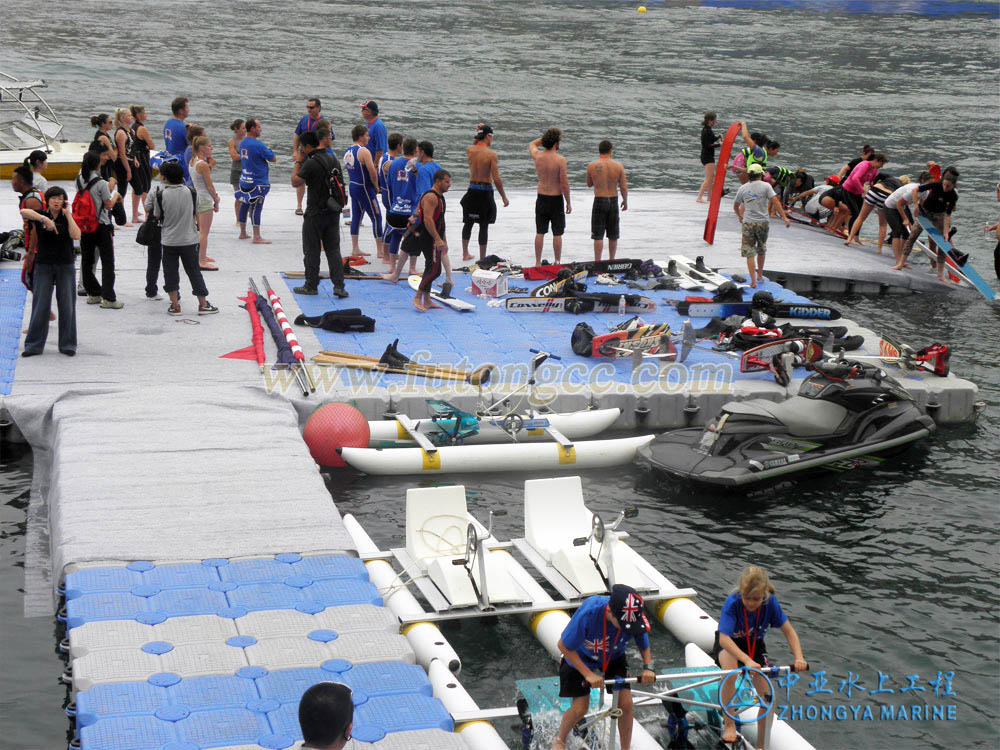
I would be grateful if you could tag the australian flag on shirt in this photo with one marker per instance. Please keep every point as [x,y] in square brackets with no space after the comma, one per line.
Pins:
[595,640]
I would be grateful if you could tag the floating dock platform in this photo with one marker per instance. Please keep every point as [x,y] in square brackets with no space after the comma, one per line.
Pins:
[179,527]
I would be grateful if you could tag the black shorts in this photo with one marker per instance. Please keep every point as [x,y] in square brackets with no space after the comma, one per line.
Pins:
[550,208]
[759,651]
[604,218]
[573,685]
[415,244]
[397,221]
[479,206]
[897,229]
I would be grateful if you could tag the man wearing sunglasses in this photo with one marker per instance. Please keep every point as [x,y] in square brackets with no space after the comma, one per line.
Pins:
[308,122]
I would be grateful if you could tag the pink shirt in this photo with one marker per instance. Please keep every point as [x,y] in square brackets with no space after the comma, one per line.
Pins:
[864,172]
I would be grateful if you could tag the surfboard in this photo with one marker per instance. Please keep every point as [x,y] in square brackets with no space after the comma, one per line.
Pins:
[725,151]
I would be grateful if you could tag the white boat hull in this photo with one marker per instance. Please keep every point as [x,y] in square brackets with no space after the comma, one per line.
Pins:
[575,426]
[64,160]
[589,454]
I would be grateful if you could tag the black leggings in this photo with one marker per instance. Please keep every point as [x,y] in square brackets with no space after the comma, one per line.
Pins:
[484,231]
[432,265]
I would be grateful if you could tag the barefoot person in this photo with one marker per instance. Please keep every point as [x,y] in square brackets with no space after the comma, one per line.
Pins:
[607,177]
[709,142]
[553,187]
[428,235]
[478,204]
[254,180]
[208,197]
[746,615]
[751,205]
[402,183]
[364,189]
[239,129]
[594,641]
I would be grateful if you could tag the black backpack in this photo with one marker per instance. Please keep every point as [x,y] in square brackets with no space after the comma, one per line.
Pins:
[336,195]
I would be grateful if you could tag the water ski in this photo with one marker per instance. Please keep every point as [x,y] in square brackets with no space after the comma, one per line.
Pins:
[782,310]
[553,287]
[956,261]
[581,303]
[438,296]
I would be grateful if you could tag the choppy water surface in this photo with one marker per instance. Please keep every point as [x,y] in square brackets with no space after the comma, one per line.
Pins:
[893,569]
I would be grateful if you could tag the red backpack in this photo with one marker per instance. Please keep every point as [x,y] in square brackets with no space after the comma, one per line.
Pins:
[84,211]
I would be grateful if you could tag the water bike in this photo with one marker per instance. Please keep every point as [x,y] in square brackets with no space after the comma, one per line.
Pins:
[846,414]
[692,697]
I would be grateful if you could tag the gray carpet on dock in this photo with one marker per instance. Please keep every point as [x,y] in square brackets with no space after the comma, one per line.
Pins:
[170,473]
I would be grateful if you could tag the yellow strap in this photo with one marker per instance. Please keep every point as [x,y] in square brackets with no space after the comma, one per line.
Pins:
[430,461]
[566,455]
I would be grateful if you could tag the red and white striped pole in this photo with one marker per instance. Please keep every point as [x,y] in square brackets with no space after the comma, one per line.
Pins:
[286,328]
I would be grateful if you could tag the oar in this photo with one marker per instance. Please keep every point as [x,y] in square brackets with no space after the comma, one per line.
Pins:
[366,358]
[480,376]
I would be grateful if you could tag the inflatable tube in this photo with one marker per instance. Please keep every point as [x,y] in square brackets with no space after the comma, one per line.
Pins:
[686,621]
[496,457]
[783,737]
[428,643]
[575,426]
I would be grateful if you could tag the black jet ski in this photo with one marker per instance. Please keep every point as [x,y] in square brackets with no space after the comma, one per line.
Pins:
[846,414]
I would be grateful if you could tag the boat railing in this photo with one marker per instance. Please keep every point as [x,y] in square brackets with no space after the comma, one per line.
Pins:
[26,119]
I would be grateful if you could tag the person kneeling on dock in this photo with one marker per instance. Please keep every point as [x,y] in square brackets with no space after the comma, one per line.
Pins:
[593,641]
[326,716]
[746,615]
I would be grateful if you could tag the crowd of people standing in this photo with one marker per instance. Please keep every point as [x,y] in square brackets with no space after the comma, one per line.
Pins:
[840,204]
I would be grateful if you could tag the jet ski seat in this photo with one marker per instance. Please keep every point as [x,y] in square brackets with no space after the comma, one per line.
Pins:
[804,417]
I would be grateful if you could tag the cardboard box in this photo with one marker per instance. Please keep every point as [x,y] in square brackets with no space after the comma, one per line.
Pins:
[490,283]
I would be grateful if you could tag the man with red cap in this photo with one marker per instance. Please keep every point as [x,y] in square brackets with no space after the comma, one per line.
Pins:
[378,137]
[594,641]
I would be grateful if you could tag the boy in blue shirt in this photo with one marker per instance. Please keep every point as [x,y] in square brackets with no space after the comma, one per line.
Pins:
[595,640]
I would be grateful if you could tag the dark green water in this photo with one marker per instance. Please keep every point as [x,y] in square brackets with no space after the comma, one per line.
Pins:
[893,569]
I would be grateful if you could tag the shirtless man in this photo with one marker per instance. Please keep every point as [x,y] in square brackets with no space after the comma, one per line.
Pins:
[607,177]
[553,186]
[478,204]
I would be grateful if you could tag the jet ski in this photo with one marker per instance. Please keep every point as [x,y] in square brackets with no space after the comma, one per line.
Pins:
[846,414]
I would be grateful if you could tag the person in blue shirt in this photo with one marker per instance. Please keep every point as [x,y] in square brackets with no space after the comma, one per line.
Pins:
[746,615]
[175,140]
[254,180]
[364,189]
[174,132]
[401,177]
[594,641]
[382,166]
[307,123]
[377,133]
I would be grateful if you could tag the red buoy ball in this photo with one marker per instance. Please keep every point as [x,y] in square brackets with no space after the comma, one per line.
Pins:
[334,426]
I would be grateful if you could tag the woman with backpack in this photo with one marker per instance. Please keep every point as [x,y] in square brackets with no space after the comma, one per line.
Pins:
[200,170]
[92,211]
[142,177]
[176,205]
[126,161]
[55,229]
